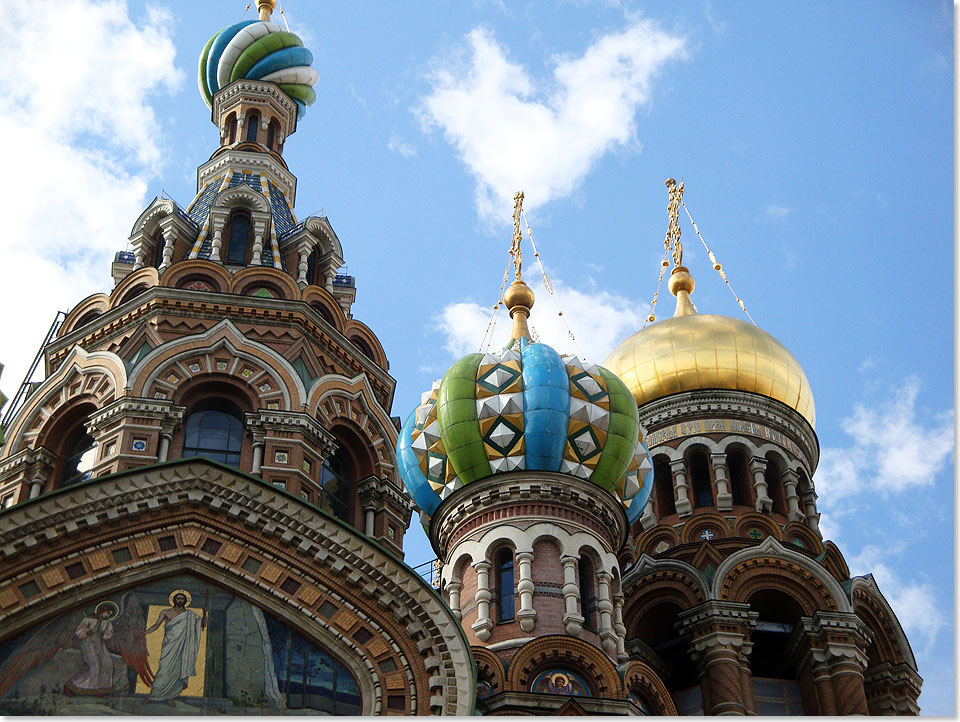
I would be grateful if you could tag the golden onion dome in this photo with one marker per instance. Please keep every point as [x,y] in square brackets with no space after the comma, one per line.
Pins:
[694,351]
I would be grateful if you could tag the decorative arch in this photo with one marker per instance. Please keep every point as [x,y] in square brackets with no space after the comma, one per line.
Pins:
[489,669]
[653,582]
[357,329]
[84,312]
[315,296]
[658,539]
[223,351]
[772,565]
[640,679]
[700,523]
[796,531]
[183,273]
[746,524]
[147,277]
[834,562]
[97,377]
[336,399]
[569,653]
[255,275]
[149,221]
[242,197]
[871,606]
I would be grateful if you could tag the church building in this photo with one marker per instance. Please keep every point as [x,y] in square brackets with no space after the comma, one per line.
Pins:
[203,502]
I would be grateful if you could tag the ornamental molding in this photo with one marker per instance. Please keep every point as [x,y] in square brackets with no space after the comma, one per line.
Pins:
[360,563]
[867,585]
[708,403]
[164,410]
[250,162]
[518,487]
[647,565]
[261,421]
[255,92]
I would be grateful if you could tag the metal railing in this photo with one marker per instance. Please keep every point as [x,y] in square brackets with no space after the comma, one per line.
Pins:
[429,572]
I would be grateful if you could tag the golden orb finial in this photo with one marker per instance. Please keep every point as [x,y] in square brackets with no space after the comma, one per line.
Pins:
[266,8]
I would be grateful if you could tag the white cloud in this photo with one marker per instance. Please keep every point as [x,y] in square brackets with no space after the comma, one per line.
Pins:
[398,146]
[75,97]
[915,603]
[599,320]
[776,212]
[891,450]
[516,134]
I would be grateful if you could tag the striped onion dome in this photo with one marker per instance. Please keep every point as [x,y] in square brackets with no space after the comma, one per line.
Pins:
[526,408]
[258,50]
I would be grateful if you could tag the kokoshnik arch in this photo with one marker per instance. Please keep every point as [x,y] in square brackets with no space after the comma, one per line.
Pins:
[205,499]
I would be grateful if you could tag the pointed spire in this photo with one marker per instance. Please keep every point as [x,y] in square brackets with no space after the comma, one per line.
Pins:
[266,8]
[518,298]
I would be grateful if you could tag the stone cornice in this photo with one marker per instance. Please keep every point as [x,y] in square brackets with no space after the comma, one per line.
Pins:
[507,490]
[361,562]
[251,162]
[262,420]
[710,403]
[162,409]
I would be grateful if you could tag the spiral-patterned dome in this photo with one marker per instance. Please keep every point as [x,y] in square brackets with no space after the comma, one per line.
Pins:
[527,408]
[258,50]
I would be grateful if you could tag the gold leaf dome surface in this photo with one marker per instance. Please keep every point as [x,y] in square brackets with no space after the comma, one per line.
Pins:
[704,351]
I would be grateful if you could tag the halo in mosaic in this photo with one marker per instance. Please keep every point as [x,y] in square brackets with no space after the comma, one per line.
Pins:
[258,50]
[525,408]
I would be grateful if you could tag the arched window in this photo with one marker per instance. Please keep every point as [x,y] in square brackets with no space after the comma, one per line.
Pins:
[231,128]
[772,667]
[214,433]
[158,244]
[336,483]
[700,479]
[588,596]
[239,238]
[505,605]
[272,130]
[324,313]
[80,456]
[775,487]
[253,124]
[362,346]
[313,275]
[739,478]
[663,485]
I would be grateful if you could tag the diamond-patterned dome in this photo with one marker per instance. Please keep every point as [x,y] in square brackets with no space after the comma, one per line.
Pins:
[526,408]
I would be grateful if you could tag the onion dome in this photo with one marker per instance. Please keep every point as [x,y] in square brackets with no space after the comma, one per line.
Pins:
[258,50]
[693,351]
[525,408]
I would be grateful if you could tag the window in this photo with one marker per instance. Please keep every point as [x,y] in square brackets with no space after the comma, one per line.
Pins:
[663,485]
[252,127]
[232,128]
[336,481]
[700,477]
[213,434]
[239,238]
[505,605]
[158,244]
[775,487]
[588,598]
[739,478]
[79,459]
[272,134]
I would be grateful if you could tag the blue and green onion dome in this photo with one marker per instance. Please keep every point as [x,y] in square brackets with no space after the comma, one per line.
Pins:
[258,50]
[527,408]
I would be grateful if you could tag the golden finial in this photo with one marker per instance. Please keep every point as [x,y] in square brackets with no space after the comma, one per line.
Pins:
[681,282]
[266,8]
[518,297]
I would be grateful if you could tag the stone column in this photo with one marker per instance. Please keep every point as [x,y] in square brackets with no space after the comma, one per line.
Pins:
[790,480]
[679,472]
[719,634]
[620,627]
[257,456]
[810,509]
[302,267]
[758,467]
[453,589]
[163,448]
[368,519]
[219,221]
[169,238]
[138,256]
[608,637]
[259,228]
[833,645]
[572,619]
[648,519]
[724,497]
[484,624]
[36,486]
[746,679]
[527,614]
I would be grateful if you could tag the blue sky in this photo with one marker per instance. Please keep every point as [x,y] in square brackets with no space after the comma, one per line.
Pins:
[815,141]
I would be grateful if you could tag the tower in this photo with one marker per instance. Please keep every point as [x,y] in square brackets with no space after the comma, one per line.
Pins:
[732,594]
[211,452]
[528,468]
